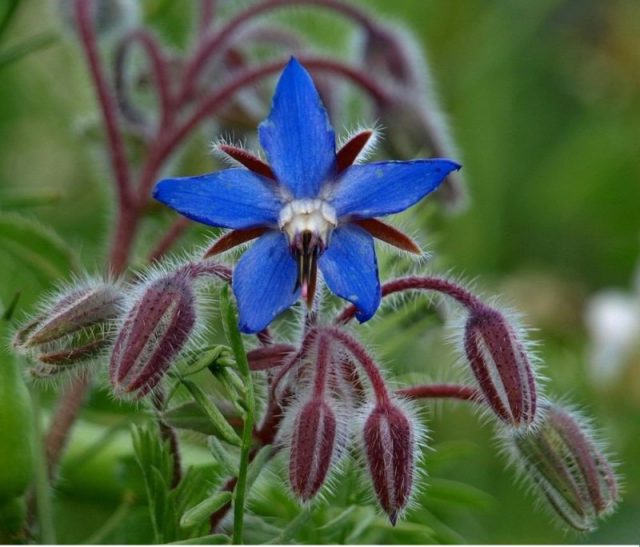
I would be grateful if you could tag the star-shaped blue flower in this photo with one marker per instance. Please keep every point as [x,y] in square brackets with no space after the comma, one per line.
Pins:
[308,209]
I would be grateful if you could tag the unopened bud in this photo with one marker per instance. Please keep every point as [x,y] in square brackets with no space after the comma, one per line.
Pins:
[390,53]
[500,363]
[73,329]
[565,466]
[312,448]
[389,444]
[155,330]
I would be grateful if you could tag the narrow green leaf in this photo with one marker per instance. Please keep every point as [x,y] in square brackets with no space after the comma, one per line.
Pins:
[205,509]
[339,520]
[449,492]
[190,416]
[233,334]
[294,526]
[222,456]
[258,464]
[28,198]
[8,16]
[230,322]
[222,427]
[31,45]
[213,539]
[42,251]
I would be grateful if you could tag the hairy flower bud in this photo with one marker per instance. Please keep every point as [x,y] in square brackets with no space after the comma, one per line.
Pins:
[389,444]
[312,447]
[72,329]
[499,361]
[155,330]
[564,464]
[391,53]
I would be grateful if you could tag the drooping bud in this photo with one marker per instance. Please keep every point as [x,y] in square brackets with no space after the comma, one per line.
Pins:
[500,363]
[72,329]
[389,444]
[312,447]
[414,121]
[565,466]
[156,328]
[385,51]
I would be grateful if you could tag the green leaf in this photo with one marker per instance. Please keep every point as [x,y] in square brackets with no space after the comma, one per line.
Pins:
[213,539]
[30,45]
[205,509]
[190,416]
[230,324]
[27,198]
[217,420]
[258,464]
[42,251]
[222,456]
[156,465]
[448,492]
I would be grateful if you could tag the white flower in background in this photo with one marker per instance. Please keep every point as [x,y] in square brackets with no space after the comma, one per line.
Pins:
[613,321]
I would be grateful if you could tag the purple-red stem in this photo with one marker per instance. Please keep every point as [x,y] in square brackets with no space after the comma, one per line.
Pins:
[206,15]
[174,233]
[63,419]
[368,364]
[441,391]
[159,69]
[413,283]
[106,101]
[321,366]
[216,43]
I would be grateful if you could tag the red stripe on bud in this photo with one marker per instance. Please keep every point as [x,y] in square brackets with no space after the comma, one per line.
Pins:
[501,366]
[154,332]
[312,448]
[389,444]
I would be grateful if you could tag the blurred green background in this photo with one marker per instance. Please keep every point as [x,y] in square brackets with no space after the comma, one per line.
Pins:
[543,100]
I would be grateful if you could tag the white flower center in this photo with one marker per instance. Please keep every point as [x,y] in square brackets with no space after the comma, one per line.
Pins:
[313,216]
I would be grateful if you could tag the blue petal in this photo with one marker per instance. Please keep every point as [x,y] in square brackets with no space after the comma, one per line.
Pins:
[384,188]
[264,281]
[297,136]
[350,269]
[233,198]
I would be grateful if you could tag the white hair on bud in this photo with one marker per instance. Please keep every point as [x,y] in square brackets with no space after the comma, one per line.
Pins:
[505,446]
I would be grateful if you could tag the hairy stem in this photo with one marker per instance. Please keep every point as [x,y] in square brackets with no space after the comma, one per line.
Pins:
[117,154]
[366,361]
[441,391]
[170,237]
[216,44]
[416,283]
[63,419]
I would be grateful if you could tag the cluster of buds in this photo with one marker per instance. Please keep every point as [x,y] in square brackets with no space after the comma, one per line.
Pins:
[326,378]
[73,328]
[564,465]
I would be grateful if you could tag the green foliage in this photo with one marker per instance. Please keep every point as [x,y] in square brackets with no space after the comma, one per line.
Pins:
[39,249]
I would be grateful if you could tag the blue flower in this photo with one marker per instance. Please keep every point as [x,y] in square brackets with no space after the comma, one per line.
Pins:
[311,208]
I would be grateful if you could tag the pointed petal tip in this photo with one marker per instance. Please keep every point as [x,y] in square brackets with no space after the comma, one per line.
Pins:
[393,518]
